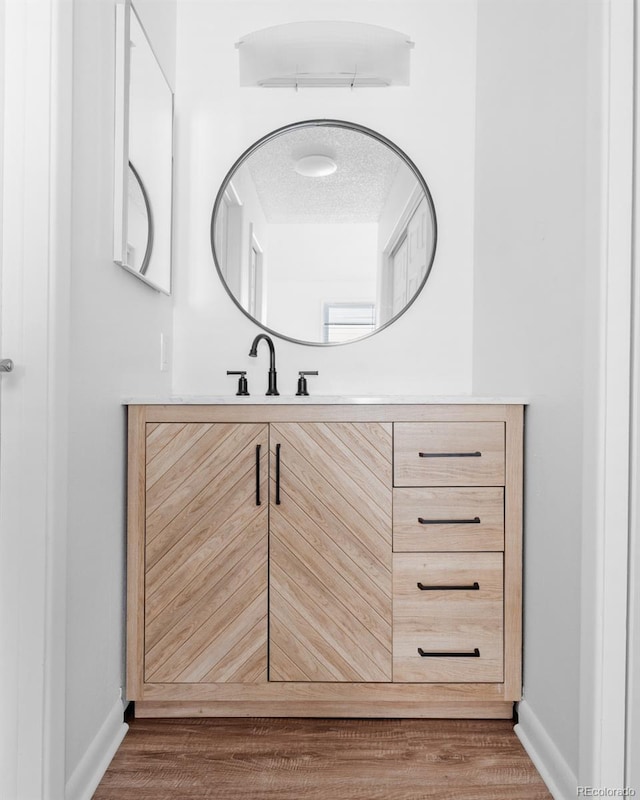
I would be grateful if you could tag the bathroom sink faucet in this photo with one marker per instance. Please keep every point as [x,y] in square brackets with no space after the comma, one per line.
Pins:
[273,387]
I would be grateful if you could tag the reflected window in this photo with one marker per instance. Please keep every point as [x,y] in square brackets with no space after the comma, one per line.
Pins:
[345,321]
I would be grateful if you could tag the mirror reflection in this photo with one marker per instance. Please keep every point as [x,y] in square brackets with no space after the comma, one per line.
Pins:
[143,156]
[150,155]
[323,232]
[140,224]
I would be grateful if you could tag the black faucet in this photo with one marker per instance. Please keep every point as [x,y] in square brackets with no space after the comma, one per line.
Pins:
[273,388]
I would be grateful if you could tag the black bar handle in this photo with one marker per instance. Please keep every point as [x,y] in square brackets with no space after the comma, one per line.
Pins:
[278,474]
[424,588]
[473,521]
[440,654]
[477,454]
[258,501]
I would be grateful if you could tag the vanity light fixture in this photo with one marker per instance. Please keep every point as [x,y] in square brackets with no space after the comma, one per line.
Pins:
[324,54]
[315,166]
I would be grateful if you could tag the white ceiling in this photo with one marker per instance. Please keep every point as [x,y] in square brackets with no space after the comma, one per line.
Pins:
[356,192]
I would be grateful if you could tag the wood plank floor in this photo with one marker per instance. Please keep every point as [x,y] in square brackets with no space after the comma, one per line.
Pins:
[321,759]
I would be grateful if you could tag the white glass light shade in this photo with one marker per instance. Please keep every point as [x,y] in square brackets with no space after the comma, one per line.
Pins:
[324,53]
[315,166]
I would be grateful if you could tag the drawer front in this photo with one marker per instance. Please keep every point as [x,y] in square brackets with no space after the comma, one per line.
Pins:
[449,454]
[445,633]
[450,518]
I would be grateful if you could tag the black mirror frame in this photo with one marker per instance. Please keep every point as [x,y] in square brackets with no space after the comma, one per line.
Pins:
[147,253]
[335,124]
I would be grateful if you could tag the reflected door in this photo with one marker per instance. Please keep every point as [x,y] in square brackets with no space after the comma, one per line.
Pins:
[256,280]
[399,267]
[409,258]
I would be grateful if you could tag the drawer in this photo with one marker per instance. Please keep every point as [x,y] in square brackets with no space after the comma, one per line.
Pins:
[448,453]
[448,633]
[448,518]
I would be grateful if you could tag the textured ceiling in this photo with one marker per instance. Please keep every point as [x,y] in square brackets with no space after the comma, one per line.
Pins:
[356,192]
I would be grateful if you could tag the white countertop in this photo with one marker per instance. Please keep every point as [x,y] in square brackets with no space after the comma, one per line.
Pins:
[190,400]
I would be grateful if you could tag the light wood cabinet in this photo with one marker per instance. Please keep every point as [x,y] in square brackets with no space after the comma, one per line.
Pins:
[330,552]
[449,454]
[205,555]
[328,560]
[448,617]
[448,518]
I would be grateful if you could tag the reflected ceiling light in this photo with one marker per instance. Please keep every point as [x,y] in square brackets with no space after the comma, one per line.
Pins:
[315,166]
[324,54]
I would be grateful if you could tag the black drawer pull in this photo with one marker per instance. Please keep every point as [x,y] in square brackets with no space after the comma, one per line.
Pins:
[278,474]
[258,501]
[473,521]
[424,588]
[477,454]
[440,654]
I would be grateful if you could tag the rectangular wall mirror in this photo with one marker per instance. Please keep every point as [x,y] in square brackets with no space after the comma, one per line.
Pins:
[143,155]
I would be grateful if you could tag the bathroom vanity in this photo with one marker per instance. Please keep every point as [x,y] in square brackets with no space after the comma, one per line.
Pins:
[310,558]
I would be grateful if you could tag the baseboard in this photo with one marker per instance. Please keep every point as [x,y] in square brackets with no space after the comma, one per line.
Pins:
[88,774]
[546,757]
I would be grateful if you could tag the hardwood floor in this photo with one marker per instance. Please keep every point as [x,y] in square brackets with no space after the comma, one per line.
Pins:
[321,759]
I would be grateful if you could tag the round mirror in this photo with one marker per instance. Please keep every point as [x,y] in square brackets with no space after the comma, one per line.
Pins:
[323,232]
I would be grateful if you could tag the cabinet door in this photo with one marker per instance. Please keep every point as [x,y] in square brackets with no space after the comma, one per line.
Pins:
[330,552]
[206,553]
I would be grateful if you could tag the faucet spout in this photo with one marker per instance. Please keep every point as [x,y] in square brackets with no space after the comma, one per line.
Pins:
[253,352]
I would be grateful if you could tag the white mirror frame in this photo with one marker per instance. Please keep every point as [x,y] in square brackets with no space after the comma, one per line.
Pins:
[122,115]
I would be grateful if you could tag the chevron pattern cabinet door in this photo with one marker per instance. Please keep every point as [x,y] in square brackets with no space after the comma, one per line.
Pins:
[206,553]
[330,552]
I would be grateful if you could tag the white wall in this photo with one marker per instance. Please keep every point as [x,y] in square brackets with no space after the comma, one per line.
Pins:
[429,349]
[159,19]
[312,264]
[536,254]
[115,328]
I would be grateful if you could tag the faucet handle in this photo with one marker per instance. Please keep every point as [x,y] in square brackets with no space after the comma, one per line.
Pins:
[243,387]
[302,382]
